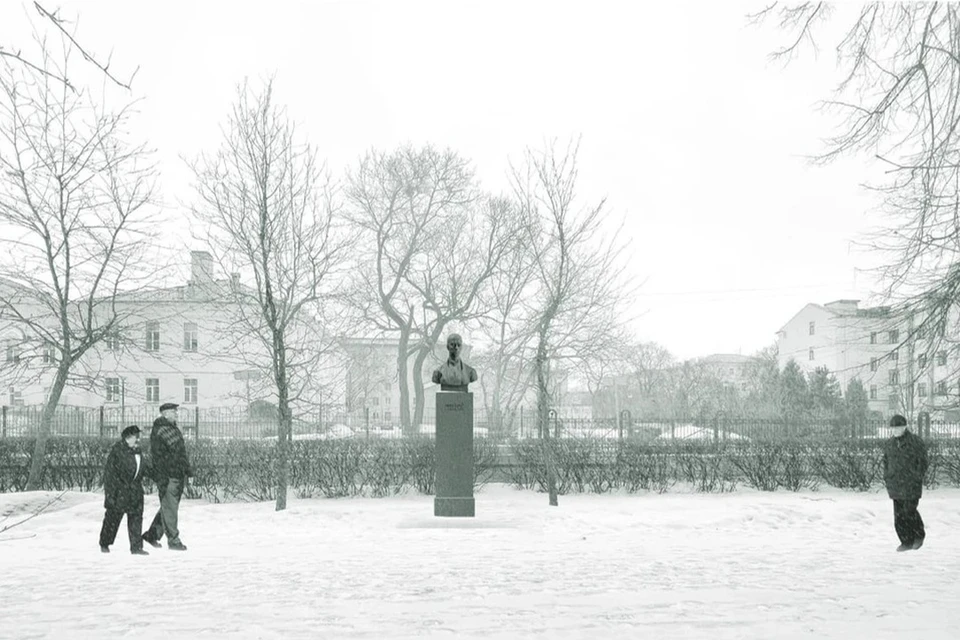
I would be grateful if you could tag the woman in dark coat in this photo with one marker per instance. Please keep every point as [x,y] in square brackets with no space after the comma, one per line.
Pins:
[123,491]
[904,470]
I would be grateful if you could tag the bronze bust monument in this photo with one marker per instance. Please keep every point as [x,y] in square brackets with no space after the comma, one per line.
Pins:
[454,374]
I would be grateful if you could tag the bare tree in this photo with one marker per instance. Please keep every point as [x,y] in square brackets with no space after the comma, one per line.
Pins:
[897,99]
[270,214]
[76,214]
[581,284]
[404,203]
[15,56]
[508,327]
[453,273]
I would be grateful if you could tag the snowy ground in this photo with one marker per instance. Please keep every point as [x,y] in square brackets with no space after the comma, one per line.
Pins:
[738,566]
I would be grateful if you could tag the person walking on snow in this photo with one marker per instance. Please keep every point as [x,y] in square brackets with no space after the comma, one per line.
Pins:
[171,469]
[904,470]
[123,491]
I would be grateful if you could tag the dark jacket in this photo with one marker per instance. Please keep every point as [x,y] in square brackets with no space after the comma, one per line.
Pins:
[904,466]
[122,481]
[168,451]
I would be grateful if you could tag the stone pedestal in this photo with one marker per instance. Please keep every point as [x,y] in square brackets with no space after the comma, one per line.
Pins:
[454,455]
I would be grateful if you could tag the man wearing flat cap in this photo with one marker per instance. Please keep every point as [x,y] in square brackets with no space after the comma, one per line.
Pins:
[171,470]
[123,491]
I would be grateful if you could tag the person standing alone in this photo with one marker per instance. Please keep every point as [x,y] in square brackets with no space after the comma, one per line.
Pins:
[171,469]
[904,470]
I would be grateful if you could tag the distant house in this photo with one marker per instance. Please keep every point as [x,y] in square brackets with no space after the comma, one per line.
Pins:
[183,344]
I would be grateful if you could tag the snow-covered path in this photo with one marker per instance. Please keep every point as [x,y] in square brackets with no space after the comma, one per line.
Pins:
[737,566]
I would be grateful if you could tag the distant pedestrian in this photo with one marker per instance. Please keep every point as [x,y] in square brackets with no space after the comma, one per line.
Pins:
[168,452]
[123,491]
[904,470]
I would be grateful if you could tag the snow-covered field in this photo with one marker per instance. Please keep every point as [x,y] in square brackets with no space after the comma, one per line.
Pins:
[737,566]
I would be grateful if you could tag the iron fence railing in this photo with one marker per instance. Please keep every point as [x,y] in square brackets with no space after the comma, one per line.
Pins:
[108,421]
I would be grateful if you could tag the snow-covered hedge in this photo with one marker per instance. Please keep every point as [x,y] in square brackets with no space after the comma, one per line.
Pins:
[232,470]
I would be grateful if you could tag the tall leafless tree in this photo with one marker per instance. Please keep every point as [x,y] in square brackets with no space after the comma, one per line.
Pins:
[269,213]
[404,204]
[76,217]
[452,274]
[582,288]
[508,328]
[898,100]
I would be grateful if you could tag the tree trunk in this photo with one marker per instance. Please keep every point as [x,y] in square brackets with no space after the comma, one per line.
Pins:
[402,358]
[43,434]
[284,423]
[543,408]
[419,390]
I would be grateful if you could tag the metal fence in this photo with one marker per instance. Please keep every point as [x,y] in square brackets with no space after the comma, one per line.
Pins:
[108,421]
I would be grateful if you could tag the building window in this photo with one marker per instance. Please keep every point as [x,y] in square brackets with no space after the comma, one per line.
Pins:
[48,355]
[12,355]
[892,401]
[153,336]
[941,358]
[893,337]
[922,389]
[873,337]
[16,397]
[190,337]
[153,389]
[113,389]
[375,401]
[113,342]
[894,356]
[810,355]
[894,377]
[813,328]
[190,391]
[922,361]
[873,392]
[873,364]
[942,388]
[387,415]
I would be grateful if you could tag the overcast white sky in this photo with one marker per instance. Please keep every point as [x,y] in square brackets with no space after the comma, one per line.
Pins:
[686,126]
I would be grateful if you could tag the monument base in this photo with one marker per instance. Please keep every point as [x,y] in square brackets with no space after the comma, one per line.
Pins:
[454,507]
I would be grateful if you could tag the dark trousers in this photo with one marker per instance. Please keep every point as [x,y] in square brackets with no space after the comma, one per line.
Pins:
[111,524]
[907,521]
[166,519]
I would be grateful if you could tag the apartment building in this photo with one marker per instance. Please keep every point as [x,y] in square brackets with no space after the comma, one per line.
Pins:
[904,365]
[183,344]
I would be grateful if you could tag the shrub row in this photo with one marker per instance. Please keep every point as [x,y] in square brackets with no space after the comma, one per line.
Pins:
[237,470]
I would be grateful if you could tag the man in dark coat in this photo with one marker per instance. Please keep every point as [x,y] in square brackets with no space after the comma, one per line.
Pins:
[123,491]
[904,469]
[171,469]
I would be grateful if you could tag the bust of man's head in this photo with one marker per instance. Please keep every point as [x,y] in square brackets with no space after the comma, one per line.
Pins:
[454,344]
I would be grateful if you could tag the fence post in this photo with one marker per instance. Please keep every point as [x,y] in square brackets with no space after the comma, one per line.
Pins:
[196,423]
[626,423]
[923,424]
[716,428]
[366,420]
[102,425]
[4,420]
[522,433]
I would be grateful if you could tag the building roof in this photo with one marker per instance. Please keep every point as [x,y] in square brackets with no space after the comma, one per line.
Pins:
[727,358]
[841,308]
